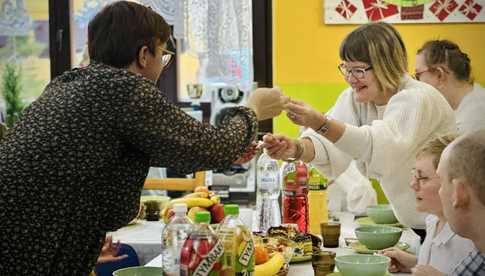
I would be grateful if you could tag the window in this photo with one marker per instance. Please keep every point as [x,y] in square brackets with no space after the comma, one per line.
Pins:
[24,44]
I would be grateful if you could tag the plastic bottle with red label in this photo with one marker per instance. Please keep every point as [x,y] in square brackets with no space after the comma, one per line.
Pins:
[202,251]
[295,194]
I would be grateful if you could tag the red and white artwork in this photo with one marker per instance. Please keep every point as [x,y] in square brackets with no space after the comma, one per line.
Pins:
[379,9]
[443,8]
[346,9]
[471,9]
[403,11]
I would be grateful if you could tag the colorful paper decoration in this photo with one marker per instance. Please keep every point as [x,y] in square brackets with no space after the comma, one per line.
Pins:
[442,8]
[378,9]
[470,9]
[346,9]
[412,13]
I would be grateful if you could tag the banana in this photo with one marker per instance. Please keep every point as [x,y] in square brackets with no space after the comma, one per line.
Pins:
[197,195]
[215,199]
[271,267]
[165,214]
[192,202]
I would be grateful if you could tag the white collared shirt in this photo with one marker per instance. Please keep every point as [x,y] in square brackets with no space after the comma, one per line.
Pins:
[444,250]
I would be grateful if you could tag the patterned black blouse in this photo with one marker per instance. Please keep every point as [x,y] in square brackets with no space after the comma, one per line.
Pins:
[74,166]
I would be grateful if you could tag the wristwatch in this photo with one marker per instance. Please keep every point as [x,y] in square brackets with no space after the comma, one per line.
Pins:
[323,129]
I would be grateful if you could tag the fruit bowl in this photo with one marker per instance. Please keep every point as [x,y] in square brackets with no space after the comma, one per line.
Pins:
[378,237]
[381,214]
[362,265]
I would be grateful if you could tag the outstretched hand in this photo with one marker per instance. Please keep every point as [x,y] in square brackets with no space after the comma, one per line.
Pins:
[248,155]
[110,251]
[279,146]
[400,261]
[303,114]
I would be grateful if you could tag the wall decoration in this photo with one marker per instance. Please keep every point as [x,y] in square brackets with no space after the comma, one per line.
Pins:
[403,11]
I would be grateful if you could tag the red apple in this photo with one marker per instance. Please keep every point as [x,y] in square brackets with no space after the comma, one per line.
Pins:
[217,213]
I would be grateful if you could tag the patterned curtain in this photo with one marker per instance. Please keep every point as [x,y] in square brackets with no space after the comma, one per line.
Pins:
[218,33]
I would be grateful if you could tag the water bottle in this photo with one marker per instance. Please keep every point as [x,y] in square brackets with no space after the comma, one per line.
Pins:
[268,190]
[174,235]
[238,258]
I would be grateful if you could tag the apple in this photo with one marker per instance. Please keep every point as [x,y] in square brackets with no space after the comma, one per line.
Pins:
[217,213]
[203,189]
[193,211]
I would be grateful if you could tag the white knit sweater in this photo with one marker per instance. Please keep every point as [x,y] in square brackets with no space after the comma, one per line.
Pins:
[384,141]
[470,114]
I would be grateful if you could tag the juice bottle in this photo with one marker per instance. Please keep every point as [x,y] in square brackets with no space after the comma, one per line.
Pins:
[202,251]
[317,200]
[238,258]
[295,195]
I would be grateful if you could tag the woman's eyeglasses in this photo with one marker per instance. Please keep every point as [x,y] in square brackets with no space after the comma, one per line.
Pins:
[417,75]
[358,73]
[167,57]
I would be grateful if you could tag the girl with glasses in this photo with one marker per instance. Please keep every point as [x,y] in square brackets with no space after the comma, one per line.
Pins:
[379,122]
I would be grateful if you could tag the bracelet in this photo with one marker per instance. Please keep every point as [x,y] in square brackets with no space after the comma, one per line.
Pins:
[323,129]
[299,150]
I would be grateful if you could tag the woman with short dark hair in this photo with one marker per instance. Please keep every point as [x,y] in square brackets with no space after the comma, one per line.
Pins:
[74,165]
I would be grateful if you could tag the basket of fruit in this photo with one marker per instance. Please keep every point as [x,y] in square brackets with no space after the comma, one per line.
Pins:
[272,255]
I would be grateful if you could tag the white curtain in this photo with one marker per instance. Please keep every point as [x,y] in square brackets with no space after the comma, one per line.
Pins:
[218,32]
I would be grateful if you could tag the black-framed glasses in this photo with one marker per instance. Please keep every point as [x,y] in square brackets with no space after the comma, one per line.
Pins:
[417,74]
[358,73]
[167,57]
[420,179]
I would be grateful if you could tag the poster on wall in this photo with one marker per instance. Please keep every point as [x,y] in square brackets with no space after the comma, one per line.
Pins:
[403,11]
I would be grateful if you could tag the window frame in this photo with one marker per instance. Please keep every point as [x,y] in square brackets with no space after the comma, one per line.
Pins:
[60,44]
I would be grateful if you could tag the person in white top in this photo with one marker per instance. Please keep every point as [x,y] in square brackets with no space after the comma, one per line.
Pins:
[380,121]
[442,249]
[442,64]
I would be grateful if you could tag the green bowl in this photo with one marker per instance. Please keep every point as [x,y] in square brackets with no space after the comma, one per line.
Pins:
[139,271]
[378,237]
[362,265]
[381,214]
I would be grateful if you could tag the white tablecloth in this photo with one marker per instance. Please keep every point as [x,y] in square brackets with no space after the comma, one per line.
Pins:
[145,237]
[347,231]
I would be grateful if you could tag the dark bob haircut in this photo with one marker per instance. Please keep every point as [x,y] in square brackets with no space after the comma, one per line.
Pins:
[118,32]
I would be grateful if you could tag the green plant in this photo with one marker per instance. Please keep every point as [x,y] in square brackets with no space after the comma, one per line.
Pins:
[11,89]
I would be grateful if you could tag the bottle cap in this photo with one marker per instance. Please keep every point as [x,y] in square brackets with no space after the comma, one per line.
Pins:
[202,216]
[231,209]
[179,208]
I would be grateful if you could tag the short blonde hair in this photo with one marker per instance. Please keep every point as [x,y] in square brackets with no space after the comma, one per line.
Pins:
[381,46]
[435,148]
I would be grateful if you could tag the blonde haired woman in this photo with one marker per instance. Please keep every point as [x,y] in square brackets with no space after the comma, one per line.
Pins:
[380,121]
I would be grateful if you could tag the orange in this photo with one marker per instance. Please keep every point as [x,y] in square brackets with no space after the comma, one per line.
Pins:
[260,254]
[201,189]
